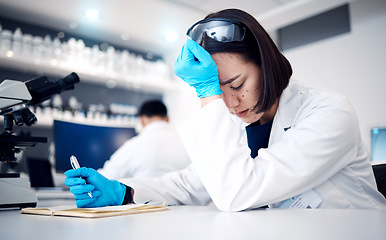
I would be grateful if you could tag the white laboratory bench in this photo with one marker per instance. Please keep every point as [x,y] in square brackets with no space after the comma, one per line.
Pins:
[198,222]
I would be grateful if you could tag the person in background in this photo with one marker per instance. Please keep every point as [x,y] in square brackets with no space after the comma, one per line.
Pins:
[155,151]
[259,139]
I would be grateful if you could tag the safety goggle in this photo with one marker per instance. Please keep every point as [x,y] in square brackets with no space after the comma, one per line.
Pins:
[219,29]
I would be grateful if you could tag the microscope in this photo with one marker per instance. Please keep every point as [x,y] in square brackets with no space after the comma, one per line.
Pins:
[15,98]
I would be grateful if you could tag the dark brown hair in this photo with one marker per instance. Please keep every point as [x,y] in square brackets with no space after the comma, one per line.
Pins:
[153,108]
[259,48]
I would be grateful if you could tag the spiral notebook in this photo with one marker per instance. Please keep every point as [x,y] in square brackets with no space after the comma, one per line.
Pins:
[109,211]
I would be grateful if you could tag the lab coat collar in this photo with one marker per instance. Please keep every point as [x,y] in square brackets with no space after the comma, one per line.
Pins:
[154,125]
[289,103]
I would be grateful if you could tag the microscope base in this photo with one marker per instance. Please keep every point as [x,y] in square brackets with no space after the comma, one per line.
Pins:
[16,193]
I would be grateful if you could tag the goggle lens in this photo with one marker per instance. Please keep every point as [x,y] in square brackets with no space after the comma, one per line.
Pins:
[219,30]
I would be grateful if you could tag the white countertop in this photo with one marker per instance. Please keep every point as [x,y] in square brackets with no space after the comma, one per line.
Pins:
[199,222]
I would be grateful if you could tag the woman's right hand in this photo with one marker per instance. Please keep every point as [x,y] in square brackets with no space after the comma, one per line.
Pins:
[105,192]
[196,67]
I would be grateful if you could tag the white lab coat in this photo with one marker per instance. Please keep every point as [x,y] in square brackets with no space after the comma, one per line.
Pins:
[321,150]
[158,149]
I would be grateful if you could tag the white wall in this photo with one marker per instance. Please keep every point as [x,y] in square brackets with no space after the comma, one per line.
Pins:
[353,64]
[182,102]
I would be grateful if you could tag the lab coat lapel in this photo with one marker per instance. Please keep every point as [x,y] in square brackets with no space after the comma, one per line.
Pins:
[284,118]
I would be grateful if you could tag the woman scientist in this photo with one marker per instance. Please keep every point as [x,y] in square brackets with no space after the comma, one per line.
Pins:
[259,138]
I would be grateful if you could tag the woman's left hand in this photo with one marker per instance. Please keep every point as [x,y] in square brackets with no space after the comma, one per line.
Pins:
[196,67]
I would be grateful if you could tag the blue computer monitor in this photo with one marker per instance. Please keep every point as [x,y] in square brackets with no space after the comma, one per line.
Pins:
[378,144]
[92,145]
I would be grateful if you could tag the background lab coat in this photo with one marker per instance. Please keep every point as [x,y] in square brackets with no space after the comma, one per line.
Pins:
[322,150]
[155,151]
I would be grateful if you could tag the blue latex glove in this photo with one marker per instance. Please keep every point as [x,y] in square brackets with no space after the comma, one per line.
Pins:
[196,67]
[105,192]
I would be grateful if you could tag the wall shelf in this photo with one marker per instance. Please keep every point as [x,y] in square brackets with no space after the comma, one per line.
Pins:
[44,67]
[47,120]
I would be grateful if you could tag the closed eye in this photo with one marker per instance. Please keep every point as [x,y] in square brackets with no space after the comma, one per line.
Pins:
[238,87]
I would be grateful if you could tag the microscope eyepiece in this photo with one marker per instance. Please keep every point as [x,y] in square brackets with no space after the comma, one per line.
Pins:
[42,89]
[68,81]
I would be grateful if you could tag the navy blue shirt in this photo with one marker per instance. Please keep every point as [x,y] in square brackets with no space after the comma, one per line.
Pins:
[258,136]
